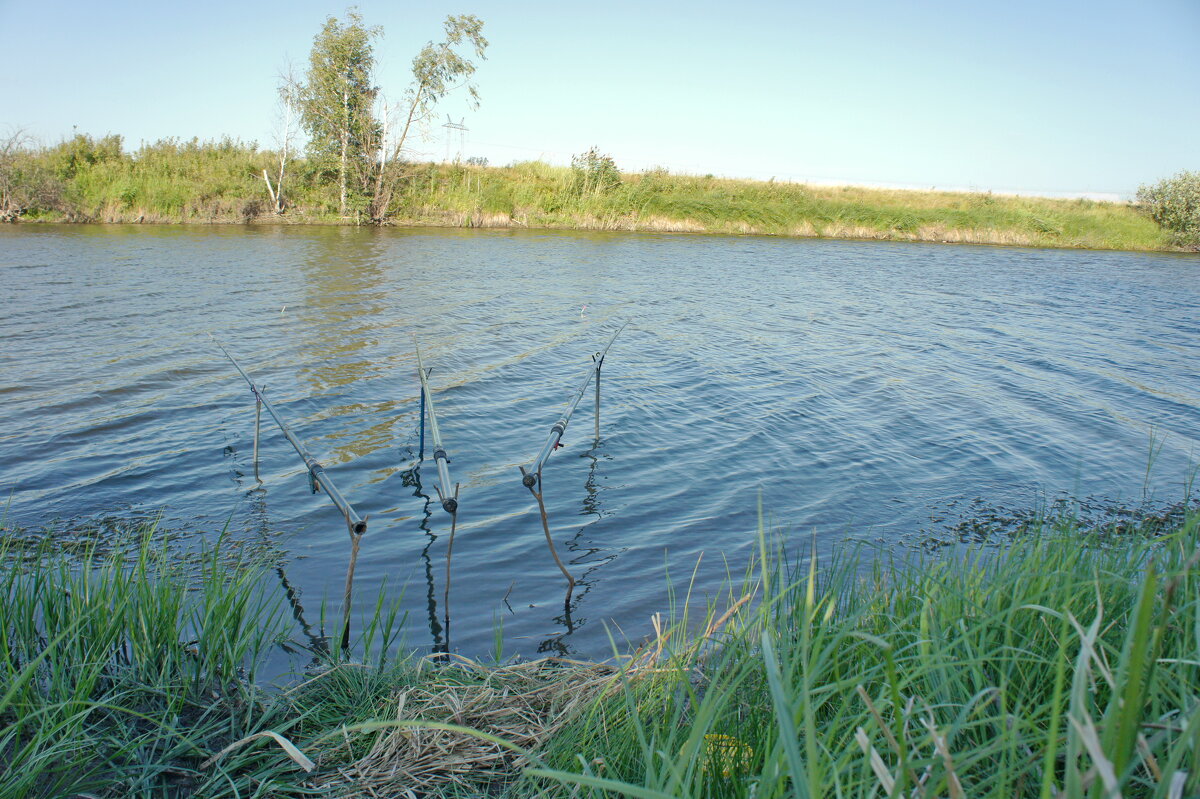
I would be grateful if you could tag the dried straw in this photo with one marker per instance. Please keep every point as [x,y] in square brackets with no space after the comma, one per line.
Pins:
[523,704]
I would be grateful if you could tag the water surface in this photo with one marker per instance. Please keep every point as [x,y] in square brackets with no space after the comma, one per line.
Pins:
[861,389]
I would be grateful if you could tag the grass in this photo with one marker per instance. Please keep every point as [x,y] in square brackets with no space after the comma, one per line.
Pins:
[120,673]
[1061,662]
[86,179]
[534,194]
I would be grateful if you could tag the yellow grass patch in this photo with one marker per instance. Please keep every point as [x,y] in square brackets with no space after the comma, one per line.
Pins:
[522,704]
[665,225]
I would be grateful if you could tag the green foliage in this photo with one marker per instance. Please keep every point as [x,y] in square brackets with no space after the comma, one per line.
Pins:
[337,106]
[27,183]
[168,179]
[221,181]
[440,68]
[337,103]
[82,152]
[437,70]
[594,173]
[128,669]
[1061,662]
[1174,204]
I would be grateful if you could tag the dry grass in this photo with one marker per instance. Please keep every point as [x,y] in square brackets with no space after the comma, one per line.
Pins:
[523,705]
[974,236]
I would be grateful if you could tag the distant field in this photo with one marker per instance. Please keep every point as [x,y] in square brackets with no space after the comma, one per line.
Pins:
[88,180]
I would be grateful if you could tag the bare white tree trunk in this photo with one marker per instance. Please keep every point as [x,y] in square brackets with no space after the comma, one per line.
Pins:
[289,116]
[383,139]
[385,185]
[271,191]
[345,147]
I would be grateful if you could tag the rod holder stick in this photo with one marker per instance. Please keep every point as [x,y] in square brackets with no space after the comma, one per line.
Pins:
[449,503]
[596,437]
[421,452]
[560,427]
[449,555]
[257,431]
[356,524]
[348,598]
[546,528]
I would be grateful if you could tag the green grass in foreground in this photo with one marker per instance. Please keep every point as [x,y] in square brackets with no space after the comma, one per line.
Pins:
[1063,663]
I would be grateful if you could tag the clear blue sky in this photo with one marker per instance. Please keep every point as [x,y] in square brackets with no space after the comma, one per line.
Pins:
[1038,96]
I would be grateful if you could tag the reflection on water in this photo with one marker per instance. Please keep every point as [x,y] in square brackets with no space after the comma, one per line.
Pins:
[437,631]
[259,530]
[862,388]
[589,554]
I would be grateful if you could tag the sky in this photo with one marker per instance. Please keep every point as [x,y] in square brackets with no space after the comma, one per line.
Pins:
[1073,97]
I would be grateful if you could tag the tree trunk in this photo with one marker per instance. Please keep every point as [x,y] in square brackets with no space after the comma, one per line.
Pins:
[385,185]
[279,183]
[283,155]
[345,146]
[271,191]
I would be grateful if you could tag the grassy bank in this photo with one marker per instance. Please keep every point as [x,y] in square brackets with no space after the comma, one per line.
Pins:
[534,194]
[1064,663]
[90,180]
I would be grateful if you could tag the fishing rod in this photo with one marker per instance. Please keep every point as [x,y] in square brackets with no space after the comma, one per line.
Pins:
[318,480]
[449,503]
[530,477]
[317,475]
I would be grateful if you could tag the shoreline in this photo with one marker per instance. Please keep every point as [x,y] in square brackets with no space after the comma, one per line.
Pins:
[197,185]
[988,238]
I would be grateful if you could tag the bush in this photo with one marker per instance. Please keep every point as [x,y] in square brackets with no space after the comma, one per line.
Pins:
[26,184]
[81,152]
[594,173]
[1174,204]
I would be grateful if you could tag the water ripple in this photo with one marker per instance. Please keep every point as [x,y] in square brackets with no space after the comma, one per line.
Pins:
[854,387]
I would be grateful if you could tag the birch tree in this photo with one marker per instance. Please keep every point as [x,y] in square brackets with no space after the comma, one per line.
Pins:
[439,69]
[336,102]
[289,114]
[338,97]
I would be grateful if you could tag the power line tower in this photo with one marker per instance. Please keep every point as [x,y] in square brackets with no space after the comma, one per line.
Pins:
[451,125]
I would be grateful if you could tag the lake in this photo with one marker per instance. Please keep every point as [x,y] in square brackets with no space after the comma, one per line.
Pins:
[865,392]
